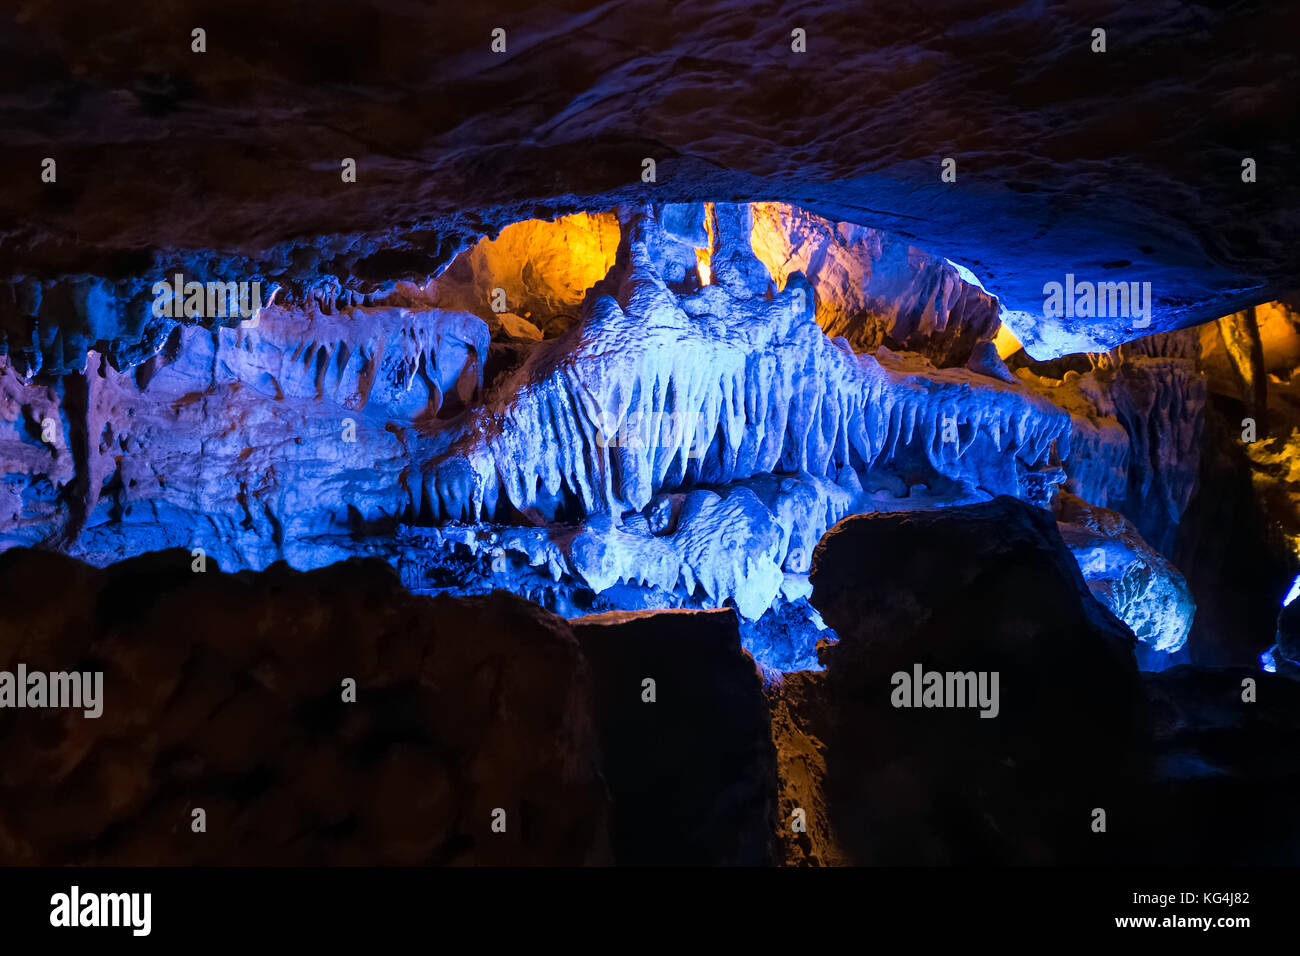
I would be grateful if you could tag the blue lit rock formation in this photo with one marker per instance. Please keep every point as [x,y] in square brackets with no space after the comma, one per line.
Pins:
[718,386]
[254,444]
[1137,416]
[695,446]
[684,442]
[1140,586]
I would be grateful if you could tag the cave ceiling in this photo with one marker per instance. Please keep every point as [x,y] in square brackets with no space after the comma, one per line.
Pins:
[1117,166]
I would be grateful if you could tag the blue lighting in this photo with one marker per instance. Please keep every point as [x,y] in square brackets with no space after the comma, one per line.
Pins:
[684,444]
[1293,593]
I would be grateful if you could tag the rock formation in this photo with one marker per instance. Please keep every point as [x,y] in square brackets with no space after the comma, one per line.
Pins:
[230,694]
[625,738]
[1138,584]
[684,440]
[986,589]
[685,737]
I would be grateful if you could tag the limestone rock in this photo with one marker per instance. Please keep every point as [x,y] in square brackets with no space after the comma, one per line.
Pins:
[1127,575]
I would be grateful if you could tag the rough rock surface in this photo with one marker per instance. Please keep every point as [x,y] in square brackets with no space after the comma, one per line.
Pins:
[1126,165]
[1159,398]
[1231,548]
[544,273]
[1137,416]
[692,774]
[384,402]
[255,444]
[873,288]
[988,587]
[224,692]
[1240,542]
[1129,576]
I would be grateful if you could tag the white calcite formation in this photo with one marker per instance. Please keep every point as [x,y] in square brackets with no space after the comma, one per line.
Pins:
[747,544]
[654,389]
[405,362]
[1127,575]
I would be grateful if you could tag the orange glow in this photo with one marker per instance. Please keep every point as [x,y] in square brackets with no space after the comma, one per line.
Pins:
[770,240]
[702,263]
[544,267]
[704,256]
[1006,342]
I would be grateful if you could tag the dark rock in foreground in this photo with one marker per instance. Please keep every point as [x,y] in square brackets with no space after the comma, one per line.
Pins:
[990,589]
[693,774]
[224,692]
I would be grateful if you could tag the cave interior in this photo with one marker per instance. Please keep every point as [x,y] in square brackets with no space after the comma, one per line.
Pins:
[629,417]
